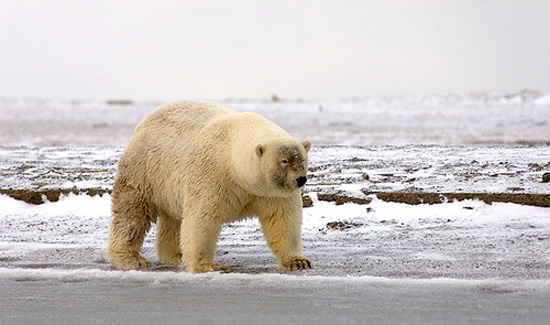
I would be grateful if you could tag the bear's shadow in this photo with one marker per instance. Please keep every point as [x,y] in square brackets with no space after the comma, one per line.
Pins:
[231,269]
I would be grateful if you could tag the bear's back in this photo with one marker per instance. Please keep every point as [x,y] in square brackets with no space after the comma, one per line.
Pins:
[181,116]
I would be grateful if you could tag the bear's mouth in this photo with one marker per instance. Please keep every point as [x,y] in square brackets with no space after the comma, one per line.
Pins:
[283,184]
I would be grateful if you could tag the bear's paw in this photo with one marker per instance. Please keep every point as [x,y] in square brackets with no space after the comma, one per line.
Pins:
[131,263]
[206,267]
[296,263]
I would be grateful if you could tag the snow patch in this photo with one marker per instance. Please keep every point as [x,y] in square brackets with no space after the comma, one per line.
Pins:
[237,279]
[467,239]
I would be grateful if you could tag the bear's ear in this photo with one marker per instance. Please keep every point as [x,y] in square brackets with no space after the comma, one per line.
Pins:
[260,149]
[307,145]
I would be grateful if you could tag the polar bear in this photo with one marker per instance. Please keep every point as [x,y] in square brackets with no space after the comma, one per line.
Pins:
[193,166]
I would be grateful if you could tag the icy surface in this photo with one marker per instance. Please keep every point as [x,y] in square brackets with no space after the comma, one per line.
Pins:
[522,117]
[462,240]
[483,143]
[375,168]
[431,168]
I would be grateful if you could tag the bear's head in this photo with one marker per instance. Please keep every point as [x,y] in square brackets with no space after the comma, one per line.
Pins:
[282,166]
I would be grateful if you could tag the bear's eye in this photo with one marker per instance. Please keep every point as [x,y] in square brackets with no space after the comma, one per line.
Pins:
[284,161]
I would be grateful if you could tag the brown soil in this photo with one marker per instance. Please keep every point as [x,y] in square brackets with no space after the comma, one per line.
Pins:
[306,201]
[541,200]
[341,198]
[37,196]
[343,225]
[52,195]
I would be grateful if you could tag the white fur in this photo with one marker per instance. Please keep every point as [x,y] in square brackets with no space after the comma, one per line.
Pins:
[192,166]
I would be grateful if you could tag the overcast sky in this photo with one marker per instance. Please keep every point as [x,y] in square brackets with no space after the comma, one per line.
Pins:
[252,49]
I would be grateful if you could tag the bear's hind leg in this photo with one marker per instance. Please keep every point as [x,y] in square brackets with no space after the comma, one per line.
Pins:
[168,240]
[130,223]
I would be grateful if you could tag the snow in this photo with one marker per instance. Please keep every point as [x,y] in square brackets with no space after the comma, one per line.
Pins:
[87,206]
[460,240]
[234,279]
[486,142]
[436,168]
[428,168]
[450,119]
[543,101]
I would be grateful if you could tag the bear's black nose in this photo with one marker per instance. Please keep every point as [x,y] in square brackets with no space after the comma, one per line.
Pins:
[301,181]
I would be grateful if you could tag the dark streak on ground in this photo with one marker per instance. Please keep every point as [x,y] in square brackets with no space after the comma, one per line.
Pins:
[37,196]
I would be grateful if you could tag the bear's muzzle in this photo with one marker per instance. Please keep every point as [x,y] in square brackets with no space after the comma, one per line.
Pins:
[301,181]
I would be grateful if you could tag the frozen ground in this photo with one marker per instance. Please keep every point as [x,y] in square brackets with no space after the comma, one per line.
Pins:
[521,117]
[94,297]
[384,263]
[380,261]
[462,240]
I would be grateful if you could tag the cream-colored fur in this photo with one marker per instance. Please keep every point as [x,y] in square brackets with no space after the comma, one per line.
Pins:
[193,166]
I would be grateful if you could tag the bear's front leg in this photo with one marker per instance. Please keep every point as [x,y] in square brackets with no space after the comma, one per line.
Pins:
[281,221]
[199,237]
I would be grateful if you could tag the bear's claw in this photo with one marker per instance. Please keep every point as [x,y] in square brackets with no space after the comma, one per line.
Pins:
[296,263]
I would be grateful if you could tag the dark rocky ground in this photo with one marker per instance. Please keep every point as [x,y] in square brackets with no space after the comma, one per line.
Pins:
[340,174]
